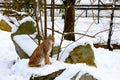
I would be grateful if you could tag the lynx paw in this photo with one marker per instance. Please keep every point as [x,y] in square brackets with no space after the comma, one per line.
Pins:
[48,63]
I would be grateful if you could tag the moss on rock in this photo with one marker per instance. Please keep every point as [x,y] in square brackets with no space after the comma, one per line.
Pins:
[82,54]
[4,26]
[51,76]
[25,28]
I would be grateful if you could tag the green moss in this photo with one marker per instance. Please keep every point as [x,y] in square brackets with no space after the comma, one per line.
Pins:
[51,76]
[87,77]
[26,28]
[55,50]
[4,26]
[75,76]
[82,54]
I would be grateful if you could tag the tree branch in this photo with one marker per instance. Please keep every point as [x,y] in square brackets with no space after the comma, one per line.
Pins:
[92,36]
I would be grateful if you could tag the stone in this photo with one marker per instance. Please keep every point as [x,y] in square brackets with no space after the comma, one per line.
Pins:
[82,54]
[51,76]
[4,26]
[27,28]
[87,77]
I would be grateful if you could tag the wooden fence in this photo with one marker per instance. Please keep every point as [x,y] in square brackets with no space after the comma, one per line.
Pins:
[10,5]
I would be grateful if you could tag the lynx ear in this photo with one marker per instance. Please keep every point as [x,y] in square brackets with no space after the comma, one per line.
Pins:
[51,37]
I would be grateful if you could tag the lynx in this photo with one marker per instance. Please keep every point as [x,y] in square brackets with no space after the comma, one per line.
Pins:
[42,52]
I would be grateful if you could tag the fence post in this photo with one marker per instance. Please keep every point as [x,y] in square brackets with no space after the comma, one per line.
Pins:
[86,12]
[51,10]
[98,10]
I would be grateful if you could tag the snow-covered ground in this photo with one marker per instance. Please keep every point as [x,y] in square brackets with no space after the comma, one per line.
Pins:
[108,64]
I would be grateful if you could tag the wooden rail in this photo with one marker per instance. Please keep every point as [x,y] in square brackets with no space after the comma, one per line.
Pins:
[60,6]
[11,5]
[88,7]
[11,8]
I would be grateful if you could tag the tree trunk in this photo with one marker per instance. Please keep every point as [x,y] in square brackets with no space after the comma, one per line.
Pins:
[45,19]
[69,20]
[110,30]
[110,34]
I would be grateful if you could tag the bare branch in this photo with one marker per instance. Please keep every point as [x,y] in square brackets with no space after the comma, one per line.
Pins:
[100,32]
[79,34]
[55,31]
[79,16]
[92,36]
[45,19]
[36,17]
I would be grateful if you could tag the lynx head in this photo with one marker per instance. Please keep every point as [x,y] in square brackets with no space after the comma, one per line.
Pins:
[51,38]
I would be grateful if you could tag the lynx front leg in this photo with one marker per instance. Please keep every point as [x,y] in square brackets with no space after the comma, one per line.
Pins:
[47,61]
[33,64]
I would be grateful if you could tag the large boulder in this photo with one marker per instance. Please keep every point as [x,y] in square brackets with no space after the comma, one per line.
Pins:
[26,28]
[82,54]
[51,76]
[4,26]
[85,76]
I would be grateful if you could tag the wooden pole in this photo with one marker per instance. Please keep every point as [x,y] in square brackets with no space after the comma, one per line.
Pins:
[98,10]
[52,18]
[45,19]
[36,16]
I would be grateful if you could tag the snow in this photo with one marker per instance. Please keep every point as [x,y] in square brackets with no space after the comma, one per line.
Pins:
[26,19]
[26,43]
[7,55]
[107,62]
[6,19]
[67,50]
